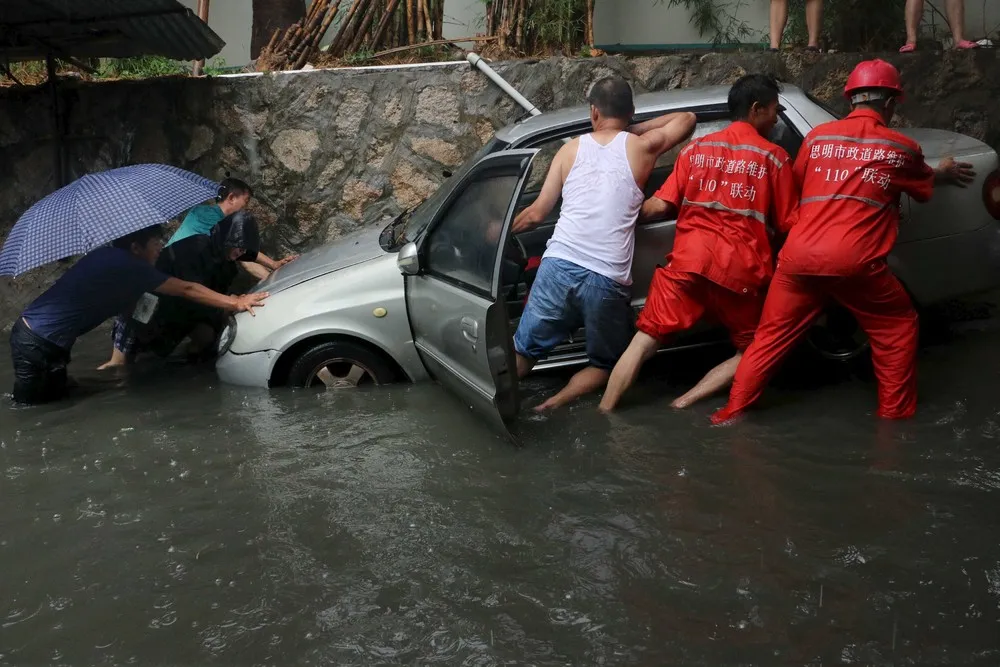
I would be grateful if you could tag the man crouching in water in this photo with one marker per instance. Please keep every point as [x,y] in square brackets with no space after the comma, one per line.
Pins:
[585,273]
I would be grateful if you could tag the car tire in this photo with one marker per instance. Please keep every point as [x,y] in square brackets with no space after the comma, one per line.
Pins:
[837,337]
[346,364]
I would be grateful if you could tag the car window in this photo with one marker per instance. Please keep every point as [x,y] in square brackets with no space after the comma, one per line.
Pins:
[786,136]
[463,245]
[547,151]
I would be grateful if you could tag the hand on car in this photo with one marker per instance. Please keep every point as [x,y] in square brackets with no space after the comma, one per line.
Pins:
[525,220]
[281,262]
[247,302]
[957,173]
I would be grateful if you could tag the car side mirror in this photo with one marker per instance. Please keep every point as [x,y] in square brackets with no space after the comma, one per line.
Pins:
[408,260]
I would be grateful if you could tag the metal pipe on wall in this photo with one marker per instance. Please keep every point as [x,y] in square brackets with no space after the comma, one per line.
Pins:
[59,157]
[203,15]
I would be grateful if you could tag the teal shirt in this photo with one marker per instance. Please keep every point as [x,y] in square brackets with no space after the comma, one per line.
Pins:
[199,220]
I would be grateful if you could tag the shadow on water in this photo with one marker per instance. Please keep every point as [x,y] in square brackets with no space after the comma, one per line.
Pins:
[181,522]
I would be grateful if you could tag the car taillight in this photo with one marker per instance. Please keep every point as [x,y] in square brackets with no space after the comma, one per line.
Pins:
[991,194]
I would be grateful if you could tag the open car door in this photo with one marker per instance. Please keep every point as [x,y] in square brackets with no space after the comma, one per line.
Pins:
[454,291]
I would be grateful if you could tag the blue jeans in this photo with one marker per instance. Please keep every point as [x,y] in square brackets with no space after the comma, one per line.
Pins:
[566,296]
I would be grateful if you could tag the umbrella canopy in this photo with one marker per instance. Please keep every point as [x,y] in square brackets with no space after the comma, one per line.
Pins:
[99,208]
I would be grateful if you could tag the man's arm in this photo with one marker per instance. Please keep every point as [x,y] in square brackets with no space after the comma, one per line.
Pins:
[785,193]
[255,269]
[661,134]
[551,191]
[271,264]
[655,208]
[201,294]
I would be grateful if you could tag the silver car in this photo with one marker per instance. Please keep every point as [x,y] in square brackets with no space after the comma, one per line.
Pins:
[438,292]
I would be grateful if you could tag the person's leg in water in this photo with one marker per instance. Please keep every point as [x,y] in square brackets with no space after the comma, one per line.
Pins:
[608,325]
[640,350]
[39,367]
[671,306]
[793,303]
[549,317]
[714,381]
[740,314]
[200,340]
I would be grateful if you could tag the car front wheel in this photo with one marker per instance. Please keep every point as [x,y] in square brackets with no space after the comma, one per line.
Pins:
[837,336]
[339,364]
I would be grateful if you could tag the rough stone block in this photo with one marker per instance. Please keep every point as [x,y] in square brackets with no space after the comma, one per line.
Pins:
[294,148]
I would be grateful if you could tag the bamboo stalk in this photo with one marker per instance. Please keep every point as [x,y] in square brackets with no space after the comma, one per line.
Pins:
[336,45]
[439,19]
[420,19]
[384,24]
[411,21]
[589,37]
[359,35]
[428,19]
[274,40]
[325,25]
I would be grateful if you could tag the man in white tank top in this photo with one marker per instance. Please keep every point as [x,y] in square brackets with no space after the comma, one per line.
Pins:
[585,274]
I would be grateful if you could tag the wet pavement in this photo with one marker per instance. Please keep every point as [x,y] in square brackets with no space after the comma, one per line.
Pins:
[186,523]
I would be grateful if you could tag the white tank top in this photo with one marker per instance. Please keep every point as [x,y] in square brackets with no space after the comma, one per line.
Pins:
[600,204]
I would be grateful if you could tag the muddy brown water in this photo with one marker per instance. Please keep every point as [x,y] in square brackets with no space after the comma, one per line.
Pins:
[177,521]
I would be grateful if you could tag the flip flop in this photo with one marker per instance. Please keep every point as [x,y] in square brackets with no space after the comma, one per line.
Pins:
[908,48]
[813,49]
[965,45]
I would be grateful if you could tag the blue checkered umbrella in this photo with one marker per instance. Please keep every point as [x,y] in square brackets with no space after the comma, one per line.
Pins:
[97,209]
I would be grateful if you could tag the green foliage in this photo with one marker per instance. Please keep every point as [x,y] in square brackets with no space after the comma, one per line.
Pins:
[217,67]
[557,22]
[852,25]
[718,19]
[140,68]
[358,57]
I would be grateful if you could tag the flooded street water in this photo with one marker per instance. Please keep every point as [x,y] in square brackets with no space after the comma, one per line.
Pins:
[186,523]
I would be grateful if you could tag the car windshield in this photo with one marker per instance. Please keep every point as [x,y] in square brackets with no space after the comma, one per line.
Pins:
[410,225]
[824,106]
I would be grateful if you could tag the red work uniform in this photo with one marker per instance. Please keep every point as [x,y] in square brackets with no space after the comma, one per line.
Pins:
[852,173]
[727,187]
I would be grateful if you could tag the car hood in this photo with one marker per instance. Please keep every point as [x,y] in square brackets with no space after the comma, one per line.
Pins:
[350,250]
[938,144]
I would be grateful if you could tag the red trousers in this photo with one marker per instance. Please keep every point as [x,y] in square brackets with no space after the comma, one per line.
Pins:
[677,300]
[883,310]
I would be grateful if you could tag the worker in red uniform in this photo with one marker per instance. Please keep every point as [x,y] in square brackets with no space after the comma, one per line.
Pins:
[852,174]
[733,191]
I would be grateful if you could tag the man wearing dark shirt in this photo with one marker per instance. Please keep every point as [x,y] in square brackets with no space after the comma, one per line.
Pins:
[104,283]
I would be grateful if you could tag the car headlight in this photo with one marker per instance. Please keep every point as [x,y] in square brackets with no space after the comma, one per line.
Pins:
[227,336]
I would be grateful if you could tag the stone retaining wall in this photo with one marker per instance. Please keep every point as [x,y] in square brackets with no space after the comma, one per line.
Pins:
[327,151]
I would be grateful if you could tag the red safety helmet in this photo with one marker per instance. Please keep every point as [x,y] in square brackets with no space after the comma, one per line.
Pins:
[874,74]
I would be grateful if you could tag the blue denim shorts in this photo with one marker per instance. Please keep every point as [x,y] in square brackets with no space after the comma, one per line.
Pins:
[564,297]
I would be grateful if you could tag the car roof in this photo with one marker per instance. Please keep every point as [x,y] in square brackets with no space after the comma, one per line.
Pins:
[644,103]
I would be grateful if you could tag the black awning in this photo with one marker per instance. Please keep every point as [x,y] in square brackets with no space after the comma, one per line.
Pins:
[32,29]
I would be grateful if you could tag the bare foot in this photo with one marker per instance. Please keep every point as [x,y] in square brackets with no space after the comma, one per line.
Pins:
[110,364]
[550,404]
[605,410]
[680,403]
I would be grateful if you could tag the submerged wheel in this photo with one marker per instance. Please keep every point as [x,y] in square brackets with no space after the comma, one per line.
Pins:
[339,364]
[837,336]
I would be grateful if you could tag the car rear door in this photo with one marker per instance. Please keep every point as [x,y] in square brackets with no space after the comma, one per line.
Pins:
[456,309]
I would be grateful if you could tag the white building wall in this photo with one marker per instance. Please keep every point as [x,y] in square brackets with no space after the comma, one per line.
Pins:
[640,23]
[635,23]
[232,21]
